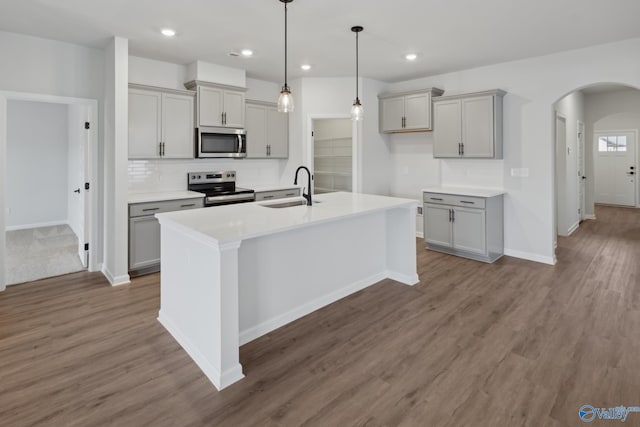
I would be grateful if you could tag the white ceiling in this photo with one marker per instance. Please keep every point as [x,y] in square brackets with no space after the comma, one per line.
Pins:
[448,35]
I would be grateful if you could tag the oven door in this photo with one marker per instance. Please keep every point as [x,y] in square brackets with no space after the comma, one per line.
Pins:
[221,142]
[229,199]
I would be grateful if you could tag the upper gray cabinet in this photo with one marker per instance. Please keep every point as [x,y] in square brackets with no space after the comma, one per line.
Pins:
[468,125]
[407,111]
[161,123]
[267,131]
[219,105]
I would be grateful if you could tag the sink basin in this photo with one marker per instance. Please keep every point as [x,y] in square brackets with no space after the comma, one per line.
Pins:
[285,204]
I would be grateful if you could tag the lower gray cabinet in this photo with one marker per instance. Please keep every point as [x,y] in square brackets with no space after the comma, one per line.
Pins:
[144,232]
[466,226]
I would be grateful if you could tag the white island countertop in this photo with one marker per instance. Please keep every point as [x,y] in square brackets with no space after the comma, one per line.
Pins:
[163,196]
[466,191]
[248,220]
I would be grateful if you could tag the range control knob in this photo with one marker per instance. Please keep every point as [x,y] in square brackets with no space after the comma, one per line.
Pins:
[233,174]
[228,175]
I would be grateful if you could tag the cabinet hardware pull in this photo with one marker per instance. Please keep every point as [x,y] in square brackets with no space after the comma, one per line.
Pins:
[187,206]
[150,209]
[435,198]
[267,197]
[160,149]
[453,215]
[449,215]
[290,194]
[462,146]
[459,149]
[163,149]
[465,201]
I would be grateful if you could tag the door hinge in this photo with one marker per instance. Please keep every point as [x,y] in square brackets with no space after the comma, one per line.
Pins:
[87,186]
[87,125]
[86,246]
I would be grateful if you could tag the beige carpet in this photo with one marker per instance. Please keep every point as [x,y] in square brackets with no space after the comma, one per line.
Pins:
[37,253]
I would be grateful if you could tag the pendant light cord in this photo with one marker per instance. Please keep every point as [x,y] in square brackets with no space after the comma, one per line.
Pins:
[285,45]
[357,33]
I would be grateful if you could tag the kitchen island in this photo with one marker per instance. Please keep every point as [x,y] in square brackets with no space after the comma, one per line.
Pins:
[233,273]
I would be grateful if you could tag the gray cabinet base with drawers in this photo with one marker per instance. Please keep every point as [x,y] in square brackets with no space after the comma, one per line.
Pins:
[471,227]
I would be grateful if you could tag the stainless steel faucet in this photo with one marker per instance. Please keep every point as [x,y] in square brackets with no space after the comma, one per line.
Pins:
[295,182]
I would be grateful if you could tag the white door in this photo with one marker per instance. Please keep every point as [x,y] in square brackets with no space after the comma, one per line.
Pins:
[447,127]
[581,172]
[615,168]
[77,176]
[256,131]
[210,106]
[437,225]
[469,230]
[234,109]
[278,133]
[477,127]
[145,132]
[392,113]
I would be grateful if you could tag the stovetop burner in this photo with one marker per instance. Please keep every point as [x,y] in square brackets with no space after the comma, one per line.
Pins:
[219,187]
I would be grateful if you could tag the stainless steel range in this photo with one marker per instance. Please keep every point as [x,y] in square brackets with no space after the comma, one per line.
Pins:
[219,188]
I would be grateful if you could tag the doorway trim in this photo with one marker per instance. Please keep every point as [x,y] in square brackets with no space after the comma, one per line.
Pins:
[91,235]
[356,131]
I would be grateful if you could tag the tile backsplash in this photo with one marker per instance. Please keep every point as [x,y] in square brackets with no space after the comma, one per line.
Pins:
[153,176]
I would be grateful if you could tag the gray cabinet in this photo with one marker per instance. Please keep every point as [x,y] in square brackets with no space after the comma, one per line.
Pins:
[161,123]
[267,131]
[144,232]
[219,105]
[277,194]
[464,225]
[406,112]
[468,126]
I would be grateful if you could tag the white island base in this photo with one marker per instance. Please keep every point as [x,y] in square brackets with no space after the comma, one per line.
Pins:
[233,273]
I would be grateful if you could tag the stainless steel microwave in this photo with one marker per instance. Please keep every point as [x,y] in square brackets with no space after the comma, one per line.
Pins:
[221,142]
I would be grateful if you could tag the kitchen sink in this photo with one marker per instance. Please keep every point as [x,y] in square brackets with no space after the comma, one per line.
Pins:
[285,204]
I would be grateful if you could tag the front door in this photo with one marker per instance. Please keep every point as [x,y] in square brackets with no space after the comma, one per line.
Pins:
[615,168]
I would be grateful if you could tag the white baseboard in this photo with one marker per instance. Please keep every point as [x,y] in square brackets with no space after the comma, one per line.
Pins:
[420,234]
[573,228]
[36,225]
[589,216]
[531,257]
[116,280]
[281,320]
[403,278]
[219,379]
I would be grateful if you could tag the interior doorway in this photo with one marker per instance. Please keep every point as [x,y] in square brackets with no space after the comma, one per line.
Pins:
[615,167]
[581,171]
[48,220]
[333,155]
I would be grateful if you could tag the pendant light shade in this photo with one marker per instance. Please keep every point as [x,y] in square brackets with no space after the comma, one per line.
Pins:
[285,100]
[357,112]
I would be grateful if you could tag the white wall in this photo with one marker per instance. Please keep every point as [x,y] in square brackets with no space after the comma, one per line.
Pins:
[157,73]
[533,86]
[115,161]
[37,146]
[614,110]
[571,107]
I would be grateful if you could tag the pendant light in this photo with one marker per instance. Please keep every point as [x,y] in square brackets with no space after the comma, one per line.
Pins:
[356,109]
[285,100]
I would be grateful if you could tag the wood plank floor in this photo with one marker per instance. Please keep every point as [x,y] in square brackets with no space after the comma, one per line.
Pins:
[513,343]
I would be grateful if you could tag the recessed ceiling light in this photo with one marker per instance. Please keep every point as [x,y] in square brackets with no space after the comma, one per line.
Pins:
[305,67]
[168,32]
[246,52]
[411,56]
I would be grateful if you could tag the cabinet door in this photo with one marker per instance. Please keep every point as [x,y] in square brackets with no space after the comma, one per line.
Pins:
[437,225]
[447,135]
[392,114]
[144,124]
[144,242]
[210,106]
[177,126]
[477,127]
[256,131]
[277,133]
[233,108]
[417,111]
[469,230]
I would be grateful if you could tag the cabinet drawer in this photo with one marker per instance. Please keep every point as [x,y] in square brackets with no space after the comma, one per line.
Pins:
[151,208]
[453,200]
[278,194]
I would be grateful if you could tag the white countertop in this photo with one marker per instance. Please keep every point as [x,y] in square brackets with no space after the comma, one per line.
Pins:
[263,188]
[466,191]
[160,197]
[248,220]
